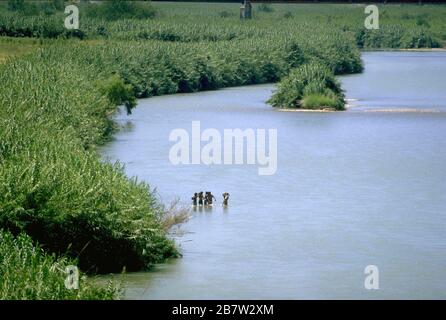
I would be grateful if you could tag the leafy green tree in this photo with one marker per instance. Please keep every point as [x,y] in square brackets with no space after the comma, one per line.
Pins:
[119,93]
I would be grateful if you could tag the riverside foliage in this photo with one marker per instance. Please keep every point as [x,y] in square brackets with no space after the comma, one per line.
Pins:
[310,86]
[28,273]
[401,26]
[53,185]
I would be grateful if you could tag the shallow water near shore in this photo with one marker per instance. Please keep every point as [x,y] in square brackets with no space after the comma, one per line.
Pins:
[352,189]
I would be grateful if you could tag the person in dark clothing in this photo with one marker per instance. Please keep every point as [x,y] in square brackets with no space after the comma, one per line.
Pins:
[206,198]
[200,198]
[225,198]
[209,198]
[195,199]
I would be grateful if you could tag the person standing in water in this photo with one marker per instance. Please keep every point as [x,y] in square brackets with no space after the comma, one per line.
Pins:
[209,198]
[225,198]
[200,198]
[206,198]
[194,199]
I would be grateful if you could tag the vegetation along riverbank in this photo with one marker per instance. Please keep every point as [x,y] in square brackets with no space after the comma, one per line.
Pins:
[61,89]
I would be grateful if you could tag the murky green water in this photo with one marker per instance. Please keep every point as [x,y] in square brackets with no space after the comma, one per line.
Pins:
[352,189]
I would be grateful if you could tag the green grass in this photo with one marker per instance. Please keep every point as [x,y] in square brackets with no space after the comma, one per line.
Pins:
[13,47]
[118,10]
[27,273]
[53,185]
[401,26]
[320,101]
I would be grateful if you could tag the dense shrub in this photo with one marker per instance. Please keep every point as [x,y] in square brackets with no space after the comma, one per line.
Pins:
[30,8]
[118,93]
[16,5]
[224,14]
[52,186]
[395,36]
[27,273]
[120,9]
[311,86]
[265,7]
[287,15]
[39,26]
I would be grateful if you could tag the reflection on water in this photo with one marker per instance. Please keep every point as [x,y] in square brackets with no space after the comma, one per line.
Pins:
[352,189]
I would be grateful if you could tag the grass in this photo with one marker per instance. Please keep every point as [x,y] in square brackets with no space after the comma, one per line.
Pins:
[401,26]
[13,48]
[53,185]
[118,10]
[28,273]
[320,101]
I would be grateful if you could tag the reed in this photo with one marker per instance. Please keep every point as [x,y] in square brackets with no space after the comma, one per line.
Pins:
[408,26]
[27,273]
[53,185]
[310,86]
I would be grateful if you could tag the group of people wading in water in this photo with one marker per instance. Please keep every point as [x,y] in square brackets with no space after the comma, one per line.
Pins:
[207,199]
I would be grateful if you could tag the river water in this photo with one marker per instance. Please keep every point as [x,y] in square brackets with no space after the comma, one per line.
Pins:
[352,189]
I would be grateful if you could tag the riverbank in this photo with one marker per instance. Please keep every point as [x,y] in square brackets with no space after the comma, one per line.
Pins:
[28,273]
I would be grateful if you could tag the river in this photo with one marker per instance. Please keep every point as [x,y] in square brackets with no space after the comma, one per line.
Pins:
[352,189]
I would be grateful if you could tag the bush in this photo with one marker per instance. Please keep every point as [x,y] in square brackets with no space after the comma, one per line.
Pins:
[16,5]
[22,7]
[121,9]
[313,82]
[27,273]
[52,6]
[422,21]
[264,7]
[118,93]
[287,15]
[53,186]
[224,14]
[39,26]
[397,36]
